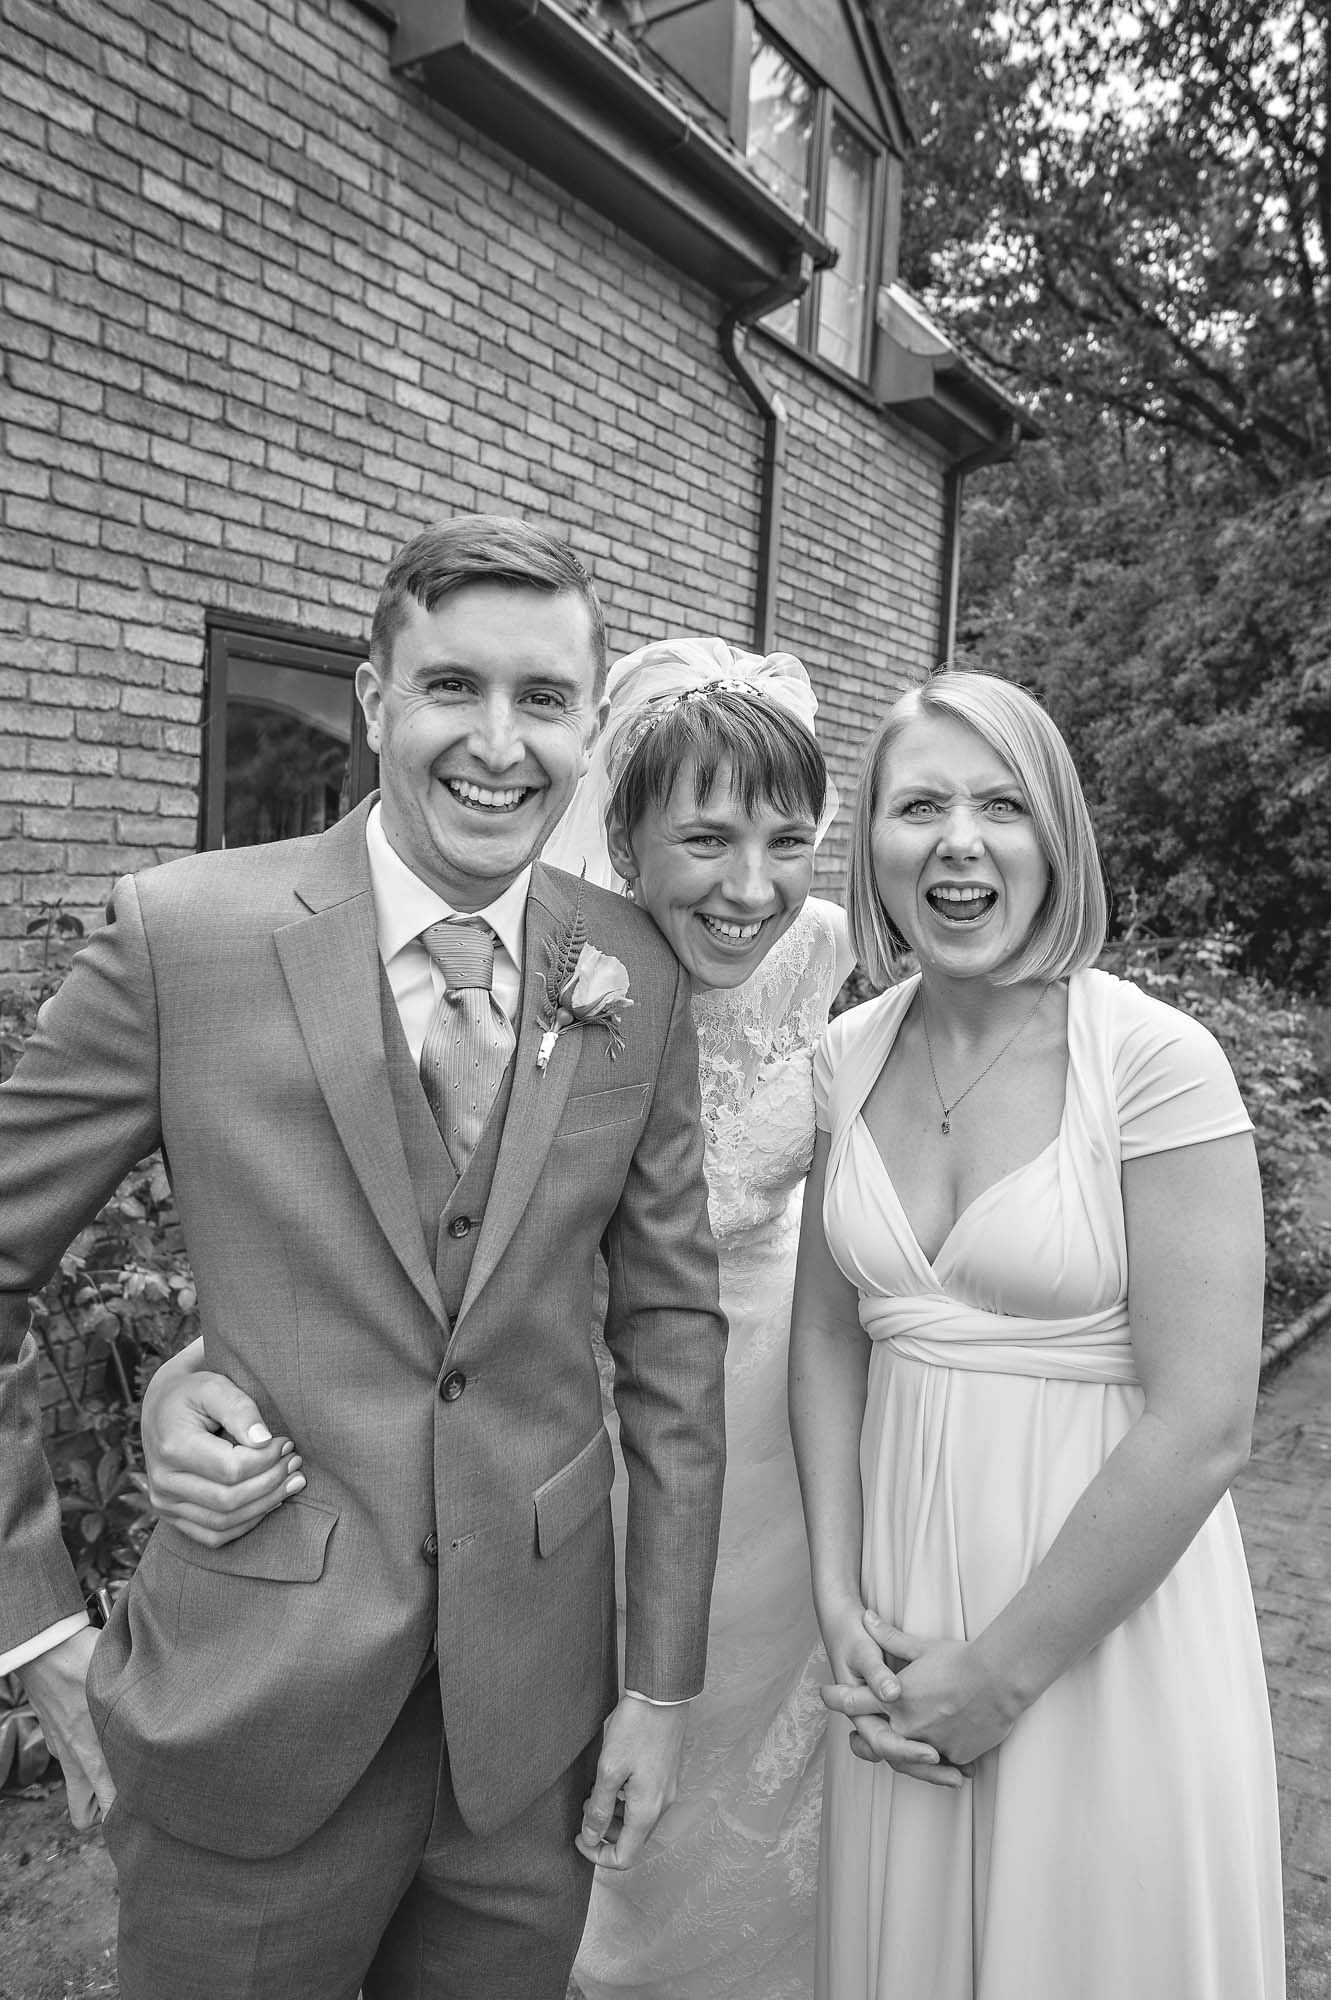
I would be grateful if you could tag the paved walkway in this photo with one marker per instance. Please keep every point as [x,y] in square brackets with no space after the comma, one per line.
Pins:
[1284,1504]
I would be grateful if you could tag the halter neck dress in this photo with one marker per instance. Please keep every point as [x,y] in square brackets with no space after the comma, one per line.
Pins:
[1122,1843]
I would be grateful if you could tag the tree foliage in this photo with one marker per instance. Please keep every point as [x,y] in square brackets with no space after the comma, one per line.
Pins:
[1125,212]
[1131,206]
[1186,652]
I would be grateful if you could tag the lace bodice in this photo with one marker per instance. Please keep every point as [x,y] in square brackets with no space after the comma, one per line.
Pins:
[755,1073]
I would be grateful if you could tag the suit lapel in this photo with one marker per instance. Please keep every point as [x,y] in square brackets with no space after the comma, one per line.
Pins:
[330,960]
[538,1097]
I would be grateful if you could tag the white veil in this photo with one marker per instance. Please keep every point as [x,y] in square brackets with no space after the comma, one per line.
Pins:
[636,686]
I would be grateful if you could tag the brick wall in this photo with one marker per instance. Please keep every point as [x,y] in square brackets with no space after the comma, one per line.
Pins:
[267,312]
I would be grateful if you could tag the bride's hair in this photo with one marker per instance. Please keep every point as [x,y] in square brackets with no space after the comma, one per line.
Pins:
[770,756]
[1069,928]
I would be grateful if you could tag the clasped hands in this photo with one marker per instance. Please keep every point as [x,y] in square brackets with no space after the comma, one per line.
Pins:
[924,1706]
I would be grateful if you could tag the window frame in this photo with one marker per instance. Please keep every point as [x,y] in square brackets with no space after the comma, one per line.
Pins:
[232,636]
[826,106]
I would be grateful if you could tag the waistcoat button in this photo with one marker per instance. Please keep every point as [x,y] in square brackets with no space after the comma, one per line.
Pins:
[460,1226]
[452,1385]
[430,1550]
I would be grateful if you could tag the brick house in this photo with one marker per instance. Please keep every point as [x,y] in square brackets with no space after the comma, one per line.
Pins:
[282,282]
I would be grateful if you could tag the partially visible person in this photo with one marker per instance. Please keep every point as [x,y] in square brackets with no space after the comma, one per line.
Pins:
[714,792]
[1023,1367]
[355,1750]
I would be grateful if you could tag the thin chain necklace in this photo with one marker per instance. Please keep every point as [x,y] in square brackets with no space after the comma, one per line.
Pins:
[948,1109]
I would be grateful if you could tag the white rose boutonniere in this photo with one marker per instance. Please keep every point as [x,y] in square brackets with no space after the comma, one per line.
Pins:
[584,988]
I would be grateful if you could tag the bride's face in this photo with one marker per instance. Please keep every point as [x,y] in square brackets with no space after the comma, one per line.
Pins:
[721,884]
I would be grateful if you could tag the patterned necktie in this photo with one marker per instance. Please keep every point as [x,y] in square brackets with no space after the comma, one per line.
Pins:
[470,1038]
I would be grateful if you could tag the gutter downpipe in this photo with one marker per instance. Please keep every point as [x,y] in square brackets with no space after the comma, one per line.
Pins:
[954,483]
[793,283]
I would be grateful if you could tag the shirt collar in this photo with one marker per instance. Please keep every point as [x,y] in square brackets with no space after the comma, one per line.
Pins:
[404,904]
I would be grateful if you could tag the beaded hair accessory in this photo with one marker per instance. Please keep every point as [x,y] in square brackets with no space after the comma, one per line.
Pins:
[667,704]
[638,728]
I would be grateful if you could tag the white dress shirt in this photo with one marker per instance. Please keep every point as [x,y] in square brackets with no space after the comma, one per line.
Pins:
[404,906]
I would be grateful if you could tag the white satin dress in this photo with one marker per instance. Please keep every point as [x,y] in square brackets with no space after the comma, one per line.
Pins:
[1122,1843]
[722,1905]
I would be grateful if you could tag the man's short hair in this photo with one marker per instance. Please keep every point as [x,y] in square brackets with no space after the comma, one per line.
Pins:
[480,548]
[1069,928]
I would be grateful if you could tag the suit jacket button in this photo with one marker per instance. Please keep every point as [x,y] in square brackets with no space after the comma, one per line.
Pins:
[460,1226]
[430,1550]
[452,1385]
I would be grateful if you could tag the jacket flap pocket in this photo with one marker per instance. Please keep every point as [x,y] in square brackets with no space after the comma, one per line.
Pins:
[565,1501]
[288,1545]
[593,1108]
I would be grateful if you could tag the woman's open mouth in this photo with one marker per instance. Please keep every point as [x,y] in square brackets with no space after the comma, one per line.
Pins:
[961,903]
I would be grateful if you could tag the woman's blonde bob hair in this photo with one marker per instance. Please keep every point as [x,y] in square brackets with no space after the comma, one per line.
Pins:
[1069,928]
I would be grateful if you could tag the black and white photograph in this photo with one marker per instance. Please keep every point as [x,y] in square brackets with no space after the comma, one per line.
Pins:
[665,1000]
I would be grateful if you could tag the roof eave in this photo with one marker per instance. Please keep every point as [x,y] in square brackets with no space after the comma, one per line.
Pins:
[548,88]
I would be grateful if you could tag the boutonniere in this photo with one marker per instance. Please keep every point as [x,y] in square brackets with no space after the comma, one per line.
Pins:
[584,988]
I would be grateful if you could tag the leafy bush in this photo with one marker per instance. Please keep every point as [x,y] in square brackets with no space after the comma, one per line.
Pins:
[1268,1038]
[1182,642]
[24,1757]
[122,1300]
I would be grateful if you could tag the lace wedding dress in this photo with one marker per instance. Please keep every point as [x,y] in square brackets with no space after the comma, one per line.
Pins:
[721,1907]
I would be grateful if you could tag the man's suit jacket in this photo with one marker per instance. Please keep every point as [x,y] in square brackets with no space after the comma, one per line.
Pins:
[458,1473]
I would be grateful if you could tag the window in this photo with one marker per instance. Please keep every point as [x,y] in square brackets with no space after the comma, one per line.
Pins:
[819,164]
[284,739]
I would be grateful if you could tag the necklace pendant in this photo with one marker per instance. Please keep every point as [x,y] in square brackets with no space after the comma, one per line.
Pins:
[946,1127]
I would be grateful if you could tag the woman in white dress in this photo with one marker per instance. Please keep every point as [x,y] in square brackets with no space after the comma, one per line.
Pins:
[715,795]
[1023,1366]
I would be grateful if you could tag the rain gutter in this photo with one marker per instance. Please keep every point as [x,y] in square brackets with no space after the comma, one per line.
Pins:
[766,399]
[1003,449]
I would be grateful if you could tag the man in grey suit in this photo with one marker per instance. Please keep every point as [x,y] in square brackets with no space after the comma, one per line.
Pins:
[355,1747]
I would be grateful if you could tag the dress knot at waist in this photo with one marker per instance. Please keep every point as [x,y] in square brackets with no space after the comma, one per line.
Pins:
[1093,1347]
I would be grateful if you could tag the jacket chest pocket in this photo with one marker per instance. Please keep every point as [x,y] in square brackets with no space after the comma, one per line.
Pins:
[593,1110]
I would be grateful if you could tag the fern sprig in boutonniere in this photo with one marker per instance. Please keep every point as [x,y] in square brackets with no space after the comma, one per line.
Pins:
[584,988]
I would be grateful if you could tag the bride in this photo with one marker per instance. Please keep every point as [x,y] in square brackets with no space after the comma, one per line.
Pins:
[705,800]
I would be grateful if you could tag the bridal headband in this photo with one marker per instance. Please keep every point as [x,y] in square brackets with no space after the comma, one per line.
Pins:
[708,692]
[642,689]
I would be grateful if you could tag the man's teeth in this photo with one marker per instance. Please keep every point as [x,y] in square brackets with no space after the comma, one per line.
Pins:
[736,933]
[486,795]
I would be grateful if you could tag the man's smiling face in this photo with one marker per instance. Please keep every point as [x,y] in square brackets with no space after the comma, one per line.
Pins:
[483,718]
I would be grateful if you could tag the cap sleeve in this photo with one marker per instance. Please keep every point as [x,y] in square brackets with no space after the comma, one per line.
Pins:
[1173,1082]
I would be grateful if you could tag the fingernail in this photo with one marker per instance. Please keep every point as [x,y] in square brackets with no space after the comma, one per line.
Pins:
[259,1434]
[294,1485]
